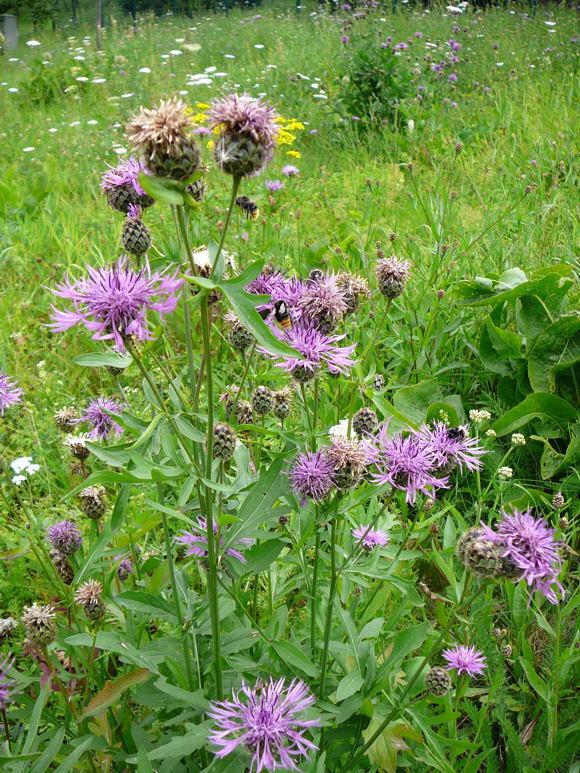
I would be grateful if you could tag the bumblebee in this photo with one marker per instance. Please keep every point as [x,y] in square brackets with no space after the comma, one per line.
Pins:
[456,433]
[282,315]
[316,275]
[248,207]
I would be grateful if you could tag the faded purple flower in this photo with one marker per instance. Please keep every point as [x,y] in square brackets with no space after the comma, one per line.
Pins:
[7,686]
[64,536]
[316,349]
[97,416]
[274,185]
[370,538]
[530,546]
[267,721]
[126,172]
[452,446]
[196,541]
[124,567]
[466,660]
[312,476]
[323,302]
[405,462]
[344,39]
[10,392]
[113,301]
[290,170]
[242,114]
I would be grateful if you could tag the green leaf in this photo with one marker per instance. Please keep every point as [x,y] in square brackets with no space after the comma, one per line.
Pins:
[348,685]
[549,408]
[70,762]
[261,556]
[405,642]
[383,752]
[120,508]
[103,360]
[183,745]
[47,757]
[151,605]
[194,700]
[550,283]
[506,344]
[162,189]
[556,348]
[372,629]
[245,307]
[143,764]
[537,683]
[112,691]
[291,654]
[413,401]
[489,356]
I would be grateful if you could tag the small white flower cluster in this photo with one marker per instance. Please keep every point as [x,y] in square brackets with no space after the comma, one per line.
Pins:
[478,417]
[518,439]
[505,473]
[22,468]
[491,433]
[340,429]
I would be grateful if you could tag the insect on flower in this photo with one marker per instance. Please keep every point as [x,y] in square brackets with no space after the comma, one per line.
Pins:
[248,207]
[282,315]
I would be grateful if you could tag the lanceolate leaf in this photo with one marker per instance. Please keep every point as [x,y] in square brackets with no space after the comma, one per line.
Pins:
[162,189]
[112,691]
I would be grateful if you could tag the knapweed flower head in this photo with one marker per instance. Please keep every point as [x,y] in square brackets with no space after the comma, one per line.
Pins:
[267,721]
[405,462]
[465,660]
[163,126]
[10,392]
[354,288]
[290,170]
[323,302]
[90,597]
[452,446]
[315,349]
[125,173]
[392,275]
[529,545]
[370,538]
[39,623]
[247,134]
[65,537]
[349,459]
[7,685]
[124,567]
[7,626]
[274,185]
[312,476]
[195,541]
[98,417]
[113,301]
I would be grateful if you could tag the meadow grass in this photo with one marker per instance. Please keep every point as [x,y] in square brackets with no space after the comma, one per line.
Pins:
[475,178]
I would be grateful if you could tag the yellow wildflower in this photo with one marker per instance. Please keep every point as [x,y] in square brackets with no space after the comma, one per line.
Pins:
[202,105]
[294,153]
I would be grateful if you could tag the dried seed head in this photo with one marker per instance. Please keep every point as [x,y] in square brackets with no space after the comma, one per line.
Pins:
[228,397]
[93,501]
[348,459]
[39,623]
[224,441]
[479,555]
[392,275]
[558,501]
[240,337]
[378,382]
[77,444]
[438,681]
[63,566]
[283,402]
[66,419]
[89,596]
[506,650]
[244,413]
[7,627]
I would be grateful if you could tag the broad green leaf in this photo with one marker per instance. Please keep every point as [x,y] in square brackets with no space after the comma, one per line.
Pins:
[413,401]
[405,642]
[152,605]
[112,691]
[112,642]
[195,700]
[537,683]
[349,684]
[383,752]
[103,360]
[120,508]
[294,656]
[143,764]
[372,629]
[21,550]
[162,189]
[556,348]
[182,745]
[489,357]
[506,343]
[260,557]
[551,283]
[549,408]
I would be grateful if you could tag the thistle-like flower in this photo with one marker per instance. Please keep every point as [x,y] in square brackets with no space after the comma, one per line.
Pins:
[404,462]
[316,349]
[354,289]
[65,537]
[323,303]
[90,597]
[113,301]
[98,417]
[529,546]
[124,568]
[66,419]
[349,459]
[10,392]
[93,501]
[195,542]
[39,623]
[266,720]
[7,685]
[121,185]
[465,660]
[452,447]
[392,275]
[77,444]
[312,476]
[370,538]
[7,626]
[247,134]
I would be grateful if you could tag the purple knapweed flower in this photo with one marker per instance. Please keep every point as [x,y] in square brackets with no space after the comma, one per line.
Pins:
[10,392]
[242,114]
[267,721]
[7,685]
[274,185]
[267,283]
[452,77]
[290,170]
[125,173]
[64,536]
[401,47]
[124,567]
[312,476]
[466,660]
[113,301]
[344,39]
[196,541]
[323,302]
[370,538]
[316,349]
[452,446]
[529,545]
[405,462]
[97,416]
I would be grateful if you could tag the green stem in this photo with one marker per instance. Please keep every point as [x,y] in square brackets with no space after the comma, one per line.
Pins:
[242,381]
[6,730]
[313,599]
[235,185]
[330,607]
